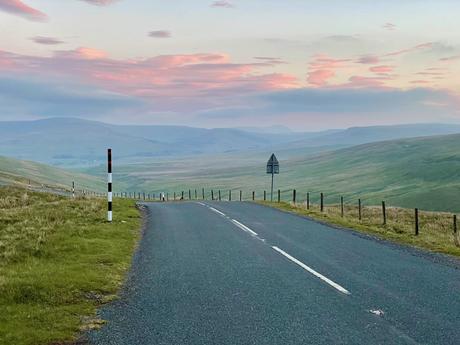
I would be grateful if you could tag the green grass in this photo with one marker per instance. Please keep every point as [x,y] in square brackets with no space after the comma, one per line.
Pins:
[19,173]
[419,172]
[59,261]
[435,228]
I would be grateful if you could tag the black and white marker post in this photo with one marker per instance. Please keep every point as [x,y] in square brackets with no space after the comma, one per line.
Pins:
[73,189]
[109,182]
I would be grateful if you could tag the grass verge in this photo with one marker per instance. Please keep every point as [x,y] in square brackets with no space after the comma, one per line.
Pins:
[436,228]
[59,261]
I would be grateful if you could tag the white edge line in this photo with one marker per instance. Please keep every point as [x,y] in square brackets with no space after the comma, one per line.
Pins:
[244,227]
[312,271]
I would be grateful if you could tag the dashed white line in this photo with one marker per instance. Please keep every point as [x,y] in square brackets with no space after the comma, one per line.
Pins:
[244,228]
[312,271]
[282,252]
[217,211]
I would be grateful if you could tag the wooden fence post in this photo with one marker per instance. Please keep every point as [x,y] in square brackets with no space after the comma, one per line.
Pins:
[294,196]
[196,195]
[229,195]
[174,196]
[220,198]
[253,196]
[341,206]
[416,222]
[279,196]
[384,213]
[202,190]
[212,194]
[265,195]
[455,224]
[322,202]
[359,210]
[189,194]
[241,195]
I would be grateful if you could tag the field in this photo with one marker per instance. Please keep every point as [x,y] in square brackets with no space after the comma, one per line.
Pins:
[420,172]
[59,261]
[436,229]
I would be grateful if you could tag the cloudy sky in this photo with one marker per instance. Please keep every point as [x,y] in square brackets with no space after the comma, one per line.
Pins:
[305,64]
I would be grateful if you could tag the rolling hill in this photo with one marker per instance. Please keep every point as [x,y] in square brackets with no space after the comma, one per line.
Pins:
[18,172]
[418,172]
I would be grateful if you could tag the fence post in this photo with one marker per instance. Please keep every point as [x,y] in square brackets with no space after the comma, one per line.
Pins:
[174,196]
[196,195]
[322,202]
[455,224]
[308,200]
[359,210]
[212,194]
[202,191]
[229,195]
[265,195]
[341,206]
[416,222]
[253,196]
[189,194]
[279,196]
[294,196]
[384,213]
[241,195]
[73,189]
[109,185]
[220,199]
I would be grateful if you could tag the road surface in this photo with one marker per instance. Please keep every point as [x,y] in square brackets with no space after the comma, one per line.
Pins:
[241,273]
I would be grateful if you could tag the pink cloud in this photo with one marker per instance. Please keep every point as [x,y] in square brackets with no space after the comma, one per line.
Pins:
[412,49]
[420,82]
[100,2]
[381,69]
[19,8]
[222,3]
[168,82]
[323,68]
[160,34]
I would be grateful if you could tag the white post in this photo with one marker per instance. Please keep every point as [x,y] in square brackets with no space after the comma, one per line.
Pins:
[109,184]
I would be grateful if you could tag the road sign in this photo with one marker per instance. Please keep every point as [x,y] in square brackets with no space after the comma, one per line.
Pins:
[273,166]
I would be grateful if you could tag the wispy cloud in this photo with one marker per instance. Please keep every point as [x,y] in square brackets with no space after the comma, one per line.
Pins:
[160,34]
[19,8]
[323,68]
[100,2]
[389,26]
[223,3]
[46,40]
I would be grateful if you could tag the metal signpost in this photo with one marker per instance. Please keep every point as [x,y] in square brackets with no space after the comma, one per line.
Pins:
[273,167]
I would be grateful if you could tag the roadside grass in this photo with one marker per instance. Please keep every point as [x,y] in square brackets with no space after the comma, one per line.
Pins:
[435,228]
[59,261]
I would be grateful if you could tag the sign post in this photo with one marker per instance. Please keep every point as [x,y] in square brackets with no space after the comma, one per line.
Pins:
[273,167]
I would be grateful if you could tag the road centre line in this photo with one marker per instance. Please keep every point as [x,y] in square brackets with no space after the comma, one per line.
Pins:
[244,228]
[282,252]
[312,271]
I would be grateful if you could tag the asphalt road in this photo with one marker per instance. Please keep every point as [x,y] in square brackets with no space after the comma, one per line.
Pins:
[241,273]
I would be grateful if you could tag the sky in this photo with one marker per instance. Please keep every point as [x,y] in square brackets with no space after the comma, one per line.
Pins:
[304,64]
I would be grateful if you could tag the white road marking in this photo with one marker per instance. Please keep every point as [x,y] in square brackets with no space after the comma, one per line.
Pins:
[291,258]
[200,203]
[312,271]
[217,211]
[244,227]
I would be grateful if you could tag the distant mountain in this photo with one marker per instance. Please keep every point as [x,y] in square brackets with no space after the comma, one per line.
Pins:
[362,135]
[69,142]
[267,130]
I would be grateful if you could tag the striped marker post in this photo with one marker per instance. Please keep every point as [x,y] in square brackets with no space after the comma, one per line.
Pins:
[73,189]
[109,184]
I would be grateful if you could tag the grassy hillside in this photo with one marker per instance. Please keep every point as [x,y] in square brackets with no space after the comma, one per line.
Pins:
[420,172]
[59,260]
[17,172]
